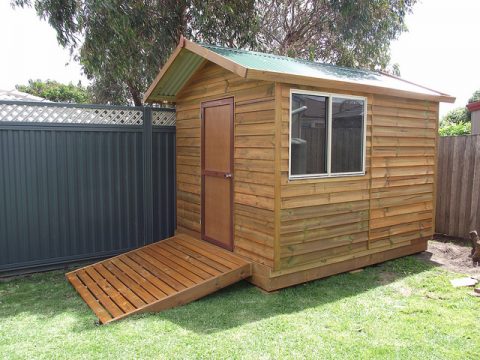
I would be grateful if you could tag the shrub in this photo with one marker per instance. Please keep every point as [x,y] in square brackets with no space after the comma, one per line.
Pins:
[455,129]
[475,97]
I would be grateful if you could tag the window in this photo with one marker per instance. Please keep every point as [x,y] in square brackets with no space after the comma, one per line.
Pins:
[327,134]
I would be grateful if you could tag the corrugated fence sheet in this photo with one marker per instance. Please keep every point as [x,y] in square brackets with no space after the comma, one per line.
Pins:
[77,191]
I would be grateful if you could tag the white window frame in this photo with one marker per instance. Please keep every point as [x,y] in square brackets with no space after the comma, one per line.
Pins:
[329,173]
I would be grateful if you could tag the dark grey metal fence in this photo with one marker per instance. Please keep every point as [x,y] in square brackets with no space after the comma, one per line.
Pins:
[89,183]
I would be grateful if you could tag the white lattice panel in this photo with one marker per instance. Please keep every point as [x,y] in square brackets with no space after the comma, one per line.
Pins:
[69,115]
[163,118]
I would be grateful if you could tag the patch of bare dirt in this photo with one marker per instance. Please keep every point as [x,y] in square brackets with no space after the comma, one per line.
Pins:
[451,253]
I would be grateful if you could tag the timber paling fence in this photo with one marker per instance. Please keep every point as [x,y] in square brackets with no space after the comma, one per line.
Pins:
[82,182]
[458,185]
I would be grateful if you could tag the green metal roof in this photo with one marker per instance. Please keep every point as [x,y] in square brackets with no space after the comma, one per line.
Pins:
[283,64]
[189,56]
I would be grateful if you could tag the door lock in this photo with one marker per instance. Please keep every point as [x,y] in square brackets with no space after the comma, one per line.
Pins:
[227,176]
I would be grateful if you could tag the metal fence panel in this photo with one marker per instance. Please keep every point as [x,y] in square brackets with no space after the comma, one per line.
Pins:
[164,193]
[71,192]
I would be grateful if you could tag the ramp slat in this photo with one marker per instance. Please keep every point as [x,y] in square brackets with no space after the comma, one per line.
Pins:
[164,266]
[192,277]
[141,276]
[135,287]
[156,277]
[101,313]
[117,297]
[166,251]
[106,302]
[209,271]
[163,271]
[221,268]
[213,249]
[208,253]
[129,294]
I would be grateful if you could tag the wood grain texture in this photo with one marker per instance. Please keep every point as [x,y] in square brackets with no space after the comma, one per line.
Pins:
[254,157]
[156,277]
[293,225]
[325,220]
[458,184]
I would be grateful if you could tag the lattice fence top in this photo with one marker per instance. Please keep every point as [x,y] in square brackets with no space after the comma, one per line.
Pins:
[164,118]
[71,114]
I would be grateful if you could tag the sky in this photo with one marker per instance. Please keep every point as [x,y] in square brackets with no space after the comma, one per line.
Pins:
[440,50]
[29,50]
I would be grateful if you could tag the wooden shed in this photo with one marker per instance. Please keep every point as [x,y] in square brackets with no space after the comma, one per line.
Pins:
[302,169]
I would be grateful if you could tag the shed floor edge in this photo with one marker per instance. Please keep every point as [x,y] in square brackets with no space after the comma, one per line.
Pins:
[262,276]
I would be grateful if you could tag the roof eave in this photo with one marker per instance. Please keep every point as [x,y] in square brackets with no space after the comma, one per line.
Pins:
[447,98]
[163,70]
[343,85]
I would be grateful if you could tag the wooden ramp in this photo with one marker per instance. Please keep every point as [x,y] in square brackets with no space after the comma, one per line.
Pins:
[156,277]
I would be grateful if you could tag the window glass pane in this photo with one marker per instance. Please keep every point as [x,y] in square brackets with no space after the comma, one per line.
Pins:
[309,134]
[347,135]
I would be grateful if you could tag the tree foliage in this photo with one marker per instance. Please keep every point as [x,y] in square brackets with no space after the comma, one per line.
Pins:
[58,92]
[355,33]
[122,43]
[475,97]
[455,129]
[456,116]
[458,121]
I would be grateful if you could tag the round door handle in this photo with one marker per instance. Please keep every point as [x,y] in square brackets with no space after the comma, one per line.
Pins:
[227,176]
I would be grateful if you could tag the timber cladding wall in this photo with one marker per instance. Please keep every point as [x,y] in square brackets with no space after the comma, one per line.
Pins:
[295,225]
[331,220]
[254,158]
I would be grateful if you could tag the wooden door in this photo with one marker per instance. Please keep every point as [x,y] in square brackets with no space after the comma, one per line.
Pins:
[217,172]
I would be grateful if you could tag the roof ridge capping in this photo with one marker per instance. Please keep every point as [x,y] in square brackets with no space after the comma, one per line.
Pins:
[256,65]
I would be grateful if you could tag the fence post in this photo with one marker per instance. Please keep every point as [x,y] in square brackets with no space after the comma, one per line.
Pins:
[148,175]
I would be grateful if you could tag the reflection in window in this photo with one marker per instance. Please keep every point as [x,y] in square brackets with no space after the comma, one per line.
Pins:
[311,151]
[347,135]
[309,134]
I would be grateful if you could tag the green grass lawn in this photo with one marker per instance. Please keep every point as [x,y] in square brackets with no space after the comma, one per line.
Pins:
[402,309]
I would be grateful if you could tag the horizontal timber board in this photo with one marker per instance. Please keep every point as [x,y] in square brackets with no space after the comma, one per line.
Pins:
[322,244]
[323,233]
[377,183]
[327,198]
[400,219]
[323,210]
[322,255]
[323,221]
[296,275]
[401,209]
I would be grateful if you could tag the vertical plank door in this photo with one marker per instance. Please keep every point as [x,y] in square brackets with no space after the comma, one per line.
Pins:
[217,172]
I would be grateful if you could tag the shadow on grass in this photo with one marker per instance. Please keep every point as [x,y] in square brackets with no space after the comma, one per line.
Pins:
[43,296]
[426,256]
[49,295]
